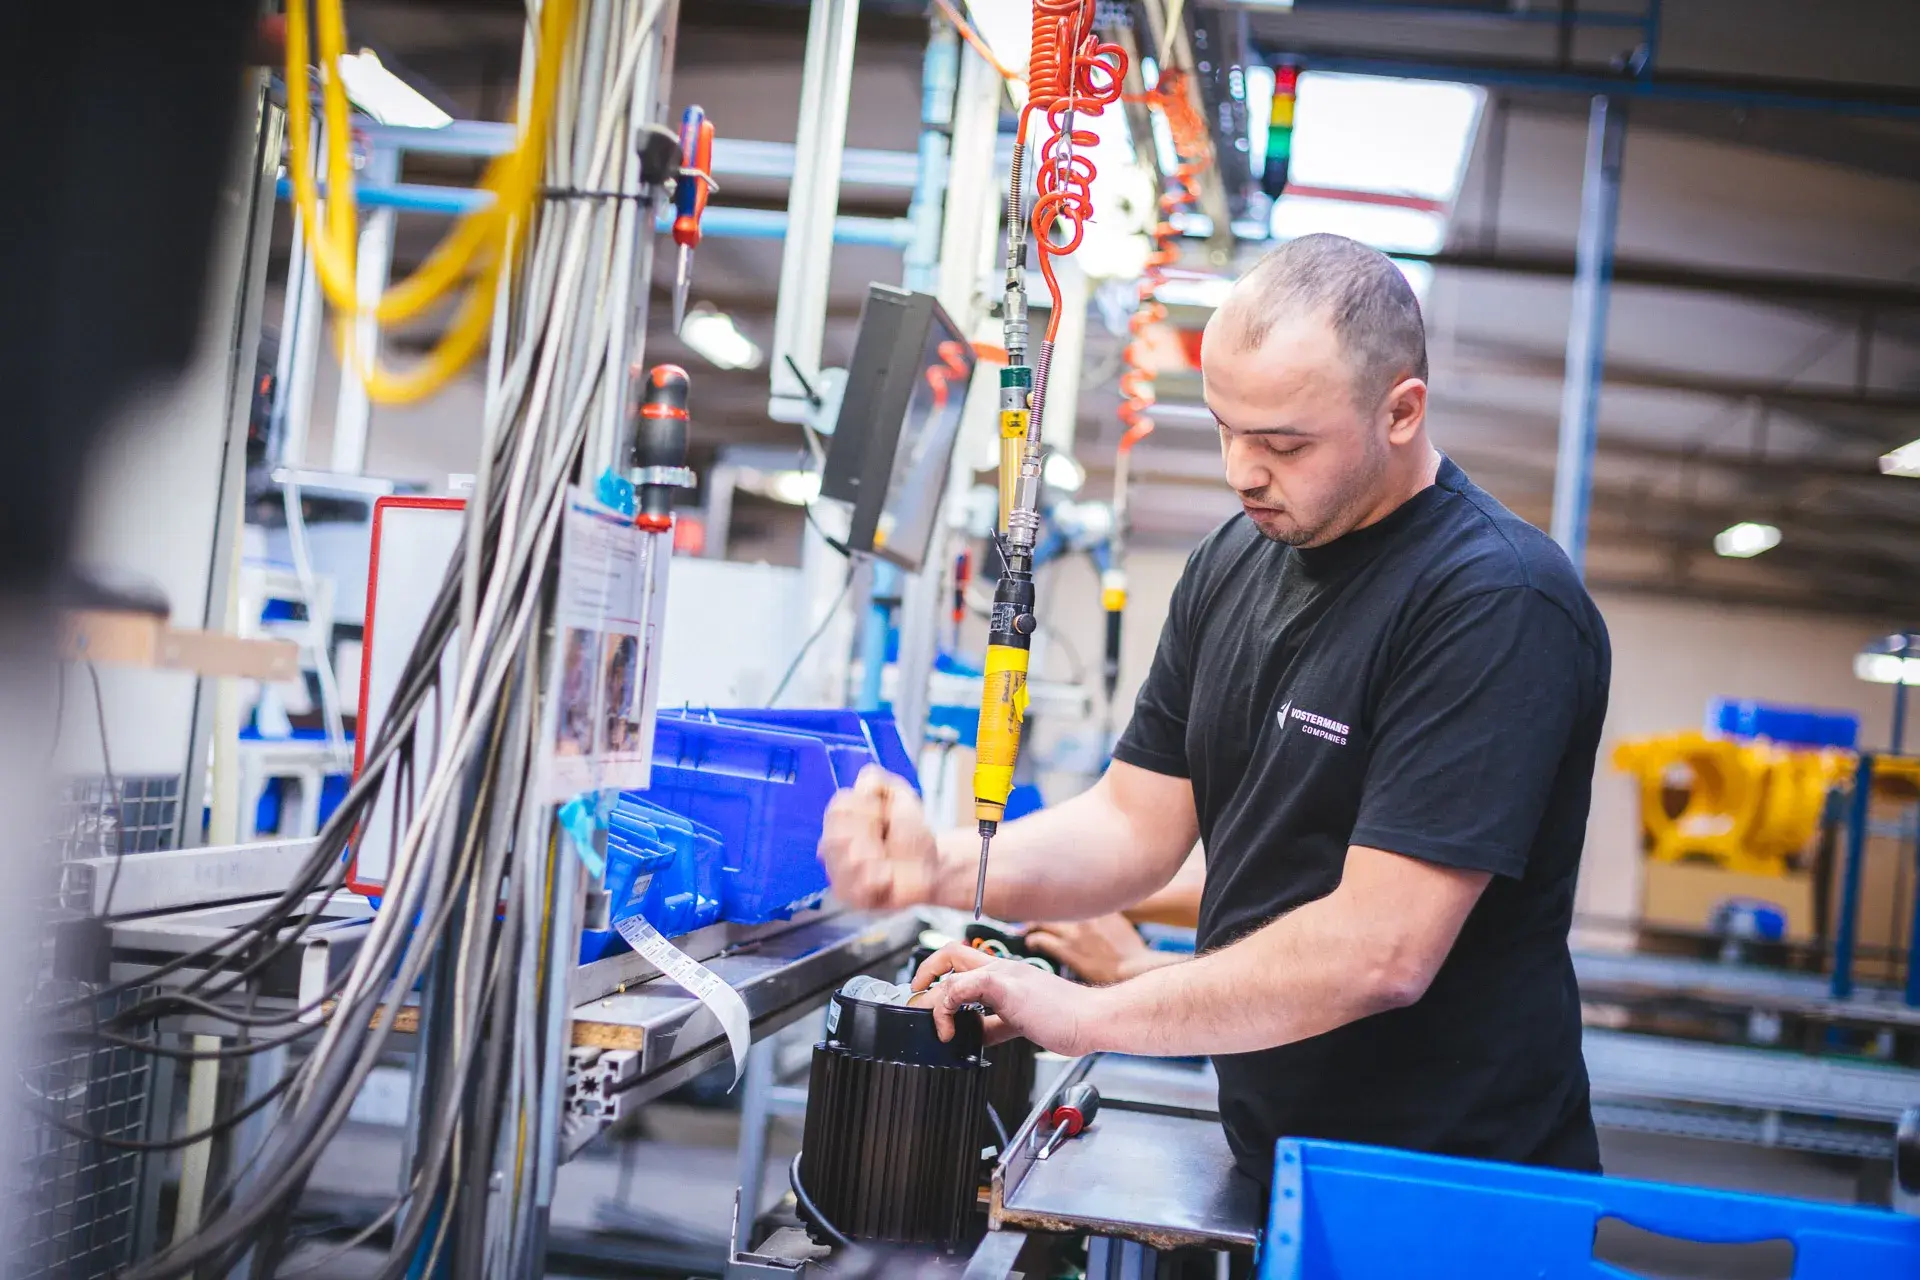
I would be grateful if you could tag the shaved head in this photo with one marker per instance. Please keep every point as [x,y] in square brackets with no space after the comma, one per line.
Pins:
[1315,369]
[1357,291]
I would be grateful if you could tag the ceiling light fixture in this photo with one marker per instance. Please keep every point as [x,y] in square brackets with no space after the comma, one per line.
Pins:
[1745,540]
[1885,661]
[713,335]
[385,96]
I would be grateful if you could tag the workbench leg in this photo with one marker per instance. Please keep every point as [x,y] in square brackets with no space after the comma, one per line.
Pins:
[756,1094]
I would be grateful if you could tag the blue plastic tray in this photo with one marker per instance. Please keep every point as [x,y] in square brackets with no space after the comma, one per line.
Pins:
[1343,1212]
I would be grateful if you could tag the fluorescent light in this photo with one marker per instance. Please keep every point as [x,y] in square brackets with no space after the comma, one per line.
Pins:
[1377,133]
[1746,539]
[796,487]
[1886,668]
[793,487]
[385,96]
[1063,472]
[1387,228]
[1904,461]
[713,335]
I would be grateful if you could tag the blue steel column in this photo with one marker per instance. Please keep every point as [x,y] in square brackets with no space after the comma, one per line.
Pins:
[1843,940]
[939,74]
[1587,332]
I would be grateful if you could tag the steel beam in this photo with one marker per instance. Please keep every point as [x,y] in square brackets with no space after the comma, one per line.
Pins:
[1750,92]
[1587,335]
[806,264]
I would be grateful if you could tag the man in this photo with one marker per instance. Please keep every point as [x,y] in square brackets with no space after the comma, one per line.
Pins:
[1376,701]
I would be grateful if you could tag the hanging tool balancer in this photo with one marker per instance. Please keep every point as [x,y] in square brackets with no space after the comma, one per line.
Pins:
[1070,73]
[690,200]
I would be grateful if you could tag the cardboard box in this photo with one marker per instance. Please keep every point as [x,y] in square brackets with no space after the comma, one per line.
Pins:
[1684,895]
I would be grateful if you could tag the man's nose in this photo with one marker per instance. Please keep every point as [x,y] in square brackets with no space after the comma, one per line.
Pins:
[1245,471]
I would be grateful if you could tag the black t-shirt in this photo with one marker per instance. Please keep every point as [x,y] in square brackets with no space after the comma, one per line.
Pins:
[1432,684]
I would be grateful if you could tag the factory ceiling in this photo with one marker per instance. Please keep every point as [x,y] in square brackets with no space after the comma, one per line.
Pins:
[1764,344]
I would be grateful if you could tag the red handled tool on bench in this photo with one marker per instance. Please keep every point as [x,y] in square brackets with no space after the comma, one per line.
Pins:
[1071,1115]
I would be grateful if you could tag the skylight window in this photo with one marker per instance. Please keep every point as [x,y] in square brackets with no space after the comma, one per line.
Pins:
[1372,133]
[1359,139]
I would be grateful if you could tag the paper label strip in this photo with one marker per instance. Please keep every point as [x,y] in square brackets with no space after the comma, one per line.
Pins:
[702,983]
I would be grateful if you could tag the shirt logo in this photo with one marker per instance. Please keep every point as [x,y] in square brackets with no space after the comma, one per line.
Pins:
[1319,726]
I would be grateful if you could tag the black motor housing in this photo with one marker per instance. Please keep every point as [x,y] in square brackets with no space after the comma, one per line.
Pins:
[892,1146]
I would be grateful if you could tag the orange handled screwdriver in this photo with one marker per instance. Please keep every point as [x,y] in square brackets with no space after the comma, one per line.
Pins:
[690,199]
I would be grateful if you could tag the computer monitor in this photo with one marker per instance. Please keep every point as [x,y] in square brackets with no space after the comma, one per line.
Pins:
[899,417]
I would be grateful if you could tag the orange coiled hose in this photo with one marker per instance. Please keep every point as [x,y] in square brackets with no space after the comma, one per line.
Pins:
[1190,150]
[1069,70]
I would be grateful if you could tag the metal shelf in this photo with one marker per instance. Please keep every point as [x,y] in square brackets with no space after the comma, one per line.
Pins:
[1607,976]
[1622,1065]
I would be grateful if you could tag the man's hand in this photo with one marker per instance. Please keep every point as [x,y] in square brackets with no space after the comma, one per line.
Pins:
[1021,1000]
[879,851]
[1103,950]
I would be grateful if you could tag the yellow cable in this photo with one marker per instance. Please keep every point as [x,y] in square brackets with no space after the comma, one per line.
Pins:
[512,179]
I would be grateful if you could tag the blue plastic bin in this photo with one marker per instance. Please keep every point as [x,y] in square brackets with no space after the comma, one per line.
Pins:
[1343,1212]
[685,893]
[1789,726]
[875,729]
[764,792]
[681,861]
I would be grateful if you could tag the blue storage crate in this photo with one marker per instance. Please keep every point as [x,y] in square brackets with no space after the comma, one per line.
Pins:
[875,729]
[685,893]
[681,861]
[1344,1212]
[1789,726]
[764,792]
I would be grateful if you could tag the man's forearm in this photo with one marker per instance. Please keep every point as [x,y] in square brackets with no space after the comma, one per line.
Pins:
[1294,979]
[1371,945]
[1071,861]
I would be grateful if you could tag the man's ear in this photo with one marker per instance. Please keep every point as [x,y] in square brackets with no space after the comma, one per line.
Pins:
[1406,407]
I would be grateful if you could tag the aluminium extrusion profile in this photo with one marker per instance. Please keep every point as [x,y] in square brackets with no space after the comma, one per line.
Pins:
[179,879]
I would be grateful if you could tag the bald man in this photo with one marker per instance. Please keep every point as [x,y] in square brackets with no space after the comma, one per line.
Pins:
[1376,700]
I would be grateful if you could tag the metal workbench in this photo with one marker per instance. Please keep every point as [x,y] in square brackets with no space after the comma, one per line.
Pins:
[1152,1173]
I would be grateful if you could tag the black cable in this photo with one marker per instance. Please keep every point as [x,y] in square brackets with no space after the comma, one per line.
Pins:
[218,1128]
[806,509]
[825,622]
[246,1050]
[361,1040]
[999,1129]
[809,1208]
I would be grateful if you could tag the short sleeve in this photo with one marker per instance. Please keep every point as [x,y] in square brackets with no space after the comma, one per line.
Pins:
[1156,737]
[1469,733]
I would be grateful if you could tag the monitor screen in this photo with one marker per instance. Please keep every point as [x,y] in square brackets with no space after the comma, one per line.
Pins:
[899,417]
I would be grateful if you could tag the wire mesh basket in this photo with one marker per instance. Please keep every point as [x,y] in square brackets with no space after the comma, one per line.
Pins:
[77,1201]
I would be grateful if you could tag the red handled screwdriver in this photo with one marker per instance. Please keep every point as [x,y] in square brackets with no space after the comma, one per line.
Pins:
[1071,1115]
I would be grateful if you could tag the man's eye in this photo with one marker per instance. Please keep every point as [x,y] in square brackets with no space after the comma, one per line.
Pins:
[1287,452]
